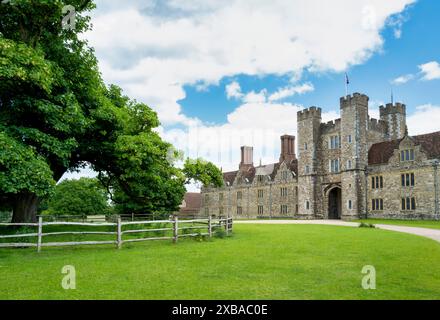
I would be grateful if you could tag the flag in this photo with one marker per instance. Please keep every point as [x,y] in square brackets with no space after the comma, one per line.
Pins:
[347,81]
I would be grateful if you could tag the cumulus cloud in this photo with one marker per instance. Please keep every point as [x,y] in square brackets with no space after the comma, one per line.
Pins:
[233,90]
[257,124]
[152,49]
[430,70]
[424,120]
[396,22]
[291,91]
[402,79]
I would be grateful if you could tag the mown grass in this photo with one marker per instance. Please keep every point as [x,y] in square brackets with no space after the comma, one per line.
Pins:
[431,224]
[257,262]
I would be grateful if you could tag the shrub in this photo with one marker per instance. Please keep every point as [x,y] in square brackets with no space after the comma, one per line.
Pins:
[366,225]
[220,233]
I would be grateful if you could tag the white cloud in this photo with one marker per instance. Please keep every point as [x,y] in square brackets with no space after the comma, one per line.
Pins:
[402,79]
[291,91]
[256,124]
[430,70]
[396,22]
[424,120]
[256,97]
[152,49]
[233,90]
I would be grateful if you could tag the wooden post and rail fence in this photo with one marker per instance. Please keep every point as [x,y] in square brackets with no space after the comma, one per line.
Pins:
[176,225]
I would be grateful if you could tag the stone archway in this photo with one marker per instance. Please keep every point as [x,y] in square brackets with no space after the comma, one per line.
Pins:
[335,204]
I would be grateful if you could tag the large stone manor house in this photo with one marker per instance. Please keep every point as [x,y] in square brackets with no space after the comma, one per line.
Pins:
[352,167]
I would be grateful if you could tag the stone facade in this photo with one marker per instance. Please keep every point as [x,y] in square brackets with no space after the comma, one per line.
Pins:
[353,167]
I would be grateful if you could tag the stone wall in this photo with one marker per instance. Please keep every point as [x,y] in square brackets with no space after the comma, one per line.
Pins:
[308,189]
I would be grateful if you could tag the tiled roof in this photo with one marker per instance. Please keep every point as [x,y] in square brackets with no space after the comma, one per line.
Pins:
[382,152]
[270,169]
[430,143]
[193,200]
[229,177]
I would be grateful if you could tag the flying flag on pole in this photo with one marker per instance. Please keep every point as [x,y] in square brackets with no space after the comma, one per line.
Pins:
[347,82]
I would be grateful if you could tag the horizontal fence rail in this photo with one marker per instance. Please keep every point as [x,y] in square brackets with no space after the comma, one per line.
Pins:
[205,227]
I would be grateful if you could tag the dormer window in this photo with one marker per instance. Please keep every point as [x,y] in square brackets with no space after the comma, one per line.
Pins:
[260,179]
[407,155]
[284,175]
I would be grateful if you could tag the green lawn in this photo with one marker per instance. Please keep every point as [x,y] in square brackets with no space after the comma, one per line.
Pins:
[410,223]
[257,262]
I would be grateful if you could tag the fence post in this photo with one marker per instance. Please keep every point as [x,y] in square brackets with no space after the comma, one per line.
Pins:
[176,229]
[227,225]
[132,216]
[40,233]
[210,226]
[119,232]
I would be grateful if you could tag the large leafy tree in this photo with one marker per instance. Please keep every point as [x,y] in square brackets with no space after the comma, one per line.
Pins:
[56,115]
[85,196]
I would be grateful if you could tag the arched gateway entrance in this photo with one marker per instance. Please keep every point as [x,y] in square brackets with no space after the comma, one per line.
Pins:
[335,204]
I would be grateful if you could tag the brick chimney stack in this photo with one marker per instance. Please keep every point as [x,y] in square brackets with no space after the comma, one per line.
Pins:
[287,148]
[247,158]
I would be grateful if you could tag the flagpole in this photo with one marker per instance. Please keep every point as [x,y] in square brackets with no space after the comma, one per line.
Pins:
[346,84]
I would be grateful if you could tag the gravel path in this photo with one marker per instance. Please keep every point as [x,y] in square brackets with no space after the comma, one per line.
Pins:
[424,232]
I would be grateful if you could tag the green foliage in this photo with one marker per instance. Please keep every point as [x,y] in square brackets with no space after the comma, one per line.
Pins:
[22,169]
[366,225]
[205,172]
[82,197]
[56,114]
[220,233]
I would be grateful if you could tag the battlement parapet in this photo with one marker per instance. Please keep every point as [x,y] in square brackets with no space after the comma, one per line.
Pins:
[355,99]
[312,112]
[390,108]
[378,125]
[331,126]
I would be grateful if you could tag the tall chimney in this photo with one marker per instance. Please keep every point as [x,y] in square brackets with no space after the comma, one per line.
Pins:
[247,155]
[287,148]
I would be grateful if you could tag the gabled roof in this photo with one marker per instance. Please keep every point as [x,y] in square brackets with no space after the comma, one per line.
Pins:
[270,170]
[380,153]
[430,143]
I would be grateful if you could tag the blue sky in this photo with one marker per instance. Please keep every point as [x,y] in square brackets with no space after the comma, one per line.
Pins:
[221,74]
[419,43]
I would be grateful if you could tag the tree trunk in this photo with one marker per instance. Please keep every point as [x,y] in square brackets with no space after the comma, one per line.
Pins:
[25,208]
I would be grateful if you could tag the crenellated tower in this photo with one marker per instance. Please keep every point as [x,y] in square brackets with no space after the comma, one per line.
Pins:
[354,153]
[395,117]
[309,122]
